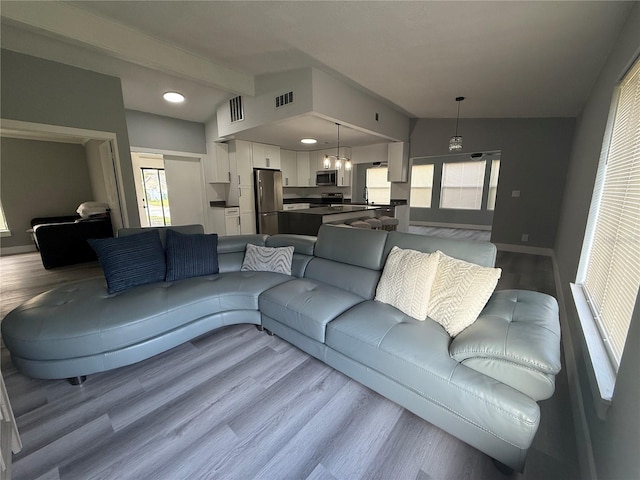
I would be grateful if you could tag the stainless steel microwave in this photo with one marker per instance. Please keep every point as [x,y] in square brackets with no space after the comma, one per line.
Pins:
[327,177]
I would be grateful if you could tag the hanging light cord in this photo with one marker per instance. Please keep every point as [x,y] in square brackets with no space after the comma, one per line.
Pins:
[458,99]
[338,147]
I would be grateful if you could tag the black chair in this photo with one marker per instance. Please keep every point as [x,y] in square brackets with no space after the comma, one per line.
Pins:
[62,240]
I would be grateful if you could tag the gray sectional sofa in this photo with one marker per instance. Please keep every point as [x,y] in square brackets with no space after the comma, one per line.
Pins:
[481,386]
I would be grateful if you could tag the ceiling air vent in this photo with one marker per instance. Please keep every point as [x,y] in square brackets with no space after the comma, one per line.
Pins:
[235,107]
[284,99]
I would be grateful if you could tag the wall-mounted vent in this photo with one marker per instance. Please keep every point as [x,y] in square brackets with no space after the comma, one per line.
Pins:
[284,99]
[235,107]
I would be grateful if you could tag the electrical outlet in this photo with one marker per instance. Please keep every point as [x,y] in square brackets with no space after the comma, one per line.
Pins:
[515,193]
[525,237]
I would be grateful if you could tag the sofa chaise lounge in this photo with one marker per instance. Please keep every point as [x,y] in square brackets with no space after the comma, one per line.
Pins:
[481,386]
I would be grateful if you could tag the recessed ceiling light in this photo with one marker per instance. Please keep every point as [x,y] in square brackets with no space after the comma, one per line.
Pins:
[309,141]
[173,97]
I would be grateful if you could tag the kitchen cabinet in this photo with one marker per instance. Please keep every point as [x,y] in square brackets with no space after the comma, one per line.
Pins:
[289,168]
[398,161]
[265,156]
[247,209]
[241,169]
[217,163]
[226,220]
[305,177]
[344,177]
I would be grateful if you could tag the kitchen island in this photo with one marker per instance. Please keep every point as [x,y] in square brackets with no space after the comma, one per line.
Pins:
[308,221]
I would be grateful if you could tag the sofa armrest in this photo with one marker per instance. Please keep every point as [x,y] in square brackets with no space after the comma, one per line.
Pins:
[516,340]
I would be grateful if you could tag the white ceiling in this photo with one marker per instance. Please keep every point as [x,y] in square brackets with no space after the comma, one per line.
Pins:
[510,59]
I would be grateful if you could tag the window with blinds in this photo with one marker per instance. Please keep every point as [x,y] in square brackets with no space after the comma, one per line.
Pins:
[609,271]
[462,185]
[421,186]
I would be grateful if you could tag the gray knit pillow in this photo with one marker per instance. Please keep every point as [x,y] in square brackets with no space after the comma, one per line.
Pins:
[268,259]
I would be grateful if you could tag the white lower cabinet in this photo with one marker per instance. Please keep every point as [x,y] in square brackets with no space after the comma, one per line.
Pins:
[226,221]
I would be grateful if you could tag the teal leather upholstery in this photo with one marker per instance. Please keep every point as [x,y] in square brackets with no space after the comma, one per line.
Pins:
[481,386]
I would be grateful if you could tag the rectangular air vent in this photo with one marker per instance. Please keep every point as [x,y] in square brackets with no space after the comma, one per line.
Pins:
[235,107]
[284,99]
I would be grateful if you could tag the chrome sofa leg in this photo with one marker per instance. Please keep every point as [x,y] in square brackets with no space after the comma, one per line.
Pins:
[260,328]
[77,380]
[269,332]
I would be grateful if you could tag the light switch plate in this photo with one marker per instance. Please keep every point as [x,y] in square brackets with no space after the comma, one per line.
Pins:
[515,193]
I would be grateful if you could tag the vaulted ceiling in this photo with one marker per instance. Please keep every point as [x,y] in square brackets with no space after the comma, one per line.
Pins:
[510,59]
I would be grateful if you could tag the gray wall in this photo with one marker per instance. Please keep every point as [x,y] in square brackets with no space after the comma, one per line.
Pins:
[42,91]
[615,440]
[165,133]
[534,159]
[40,179]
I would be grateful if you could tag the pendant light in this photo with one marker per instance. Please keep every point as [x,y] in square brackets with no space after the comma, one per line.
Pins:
[337,158]
[455,142]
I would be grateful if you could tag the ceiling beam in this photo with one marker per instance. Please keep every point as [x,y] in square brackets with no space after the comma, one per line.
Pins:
[114,39]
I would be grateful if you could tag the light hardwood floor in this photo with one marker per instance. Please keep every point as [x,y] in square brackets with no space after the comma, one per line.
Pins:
[238,404]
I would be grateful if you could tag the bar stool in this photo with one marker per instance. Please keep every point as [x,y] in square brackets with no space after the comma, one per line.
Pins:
[360,224]
[375,223]
[389,223]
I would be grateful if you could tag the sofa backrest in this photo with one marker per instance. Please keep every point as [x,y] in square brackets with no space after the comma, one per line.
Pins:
[348,258]
[480,253]
[304,246]
[186,229]
[231,250]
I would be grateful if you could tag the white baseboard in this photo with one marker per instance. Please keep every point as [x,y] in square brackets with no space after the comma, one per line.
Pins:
[508,247]
[16,250]
[584,446]
[451,225]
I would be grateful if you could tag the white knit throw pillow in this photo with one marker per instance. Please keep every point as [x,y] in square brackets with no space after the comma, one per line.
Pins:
[406,281]
[460,292]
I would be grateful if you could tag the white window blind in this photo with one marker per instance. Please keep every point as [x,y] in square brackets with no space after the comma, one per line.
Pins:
[421,185]
[378,187]
[493,184]
[610,263]
[462,184]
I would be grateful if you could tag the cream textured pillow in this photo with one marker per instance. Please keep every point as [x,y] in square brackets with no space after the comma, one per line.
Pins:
[460,292]
[406,281]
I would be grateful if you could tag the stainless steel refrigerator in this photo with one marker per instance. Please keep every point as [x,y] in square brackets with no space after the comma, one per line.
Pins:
[268,189]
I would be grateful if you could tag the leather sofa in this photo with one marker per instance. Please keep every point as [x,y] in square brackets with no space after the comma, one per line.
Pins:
[482,386]
[63,240]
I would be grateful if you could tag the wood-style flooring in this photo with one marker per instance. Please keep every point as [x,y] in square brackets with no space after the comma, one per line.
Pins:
[239,404]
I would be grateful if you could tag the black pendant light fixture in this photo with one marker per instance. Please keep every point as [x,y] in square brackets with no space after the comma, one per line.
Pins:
[455,142]
[337,158]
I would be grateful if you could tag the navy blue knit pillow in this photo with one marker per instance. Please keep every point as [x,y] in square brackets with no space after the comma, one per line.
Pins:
[191,255]
[132,260]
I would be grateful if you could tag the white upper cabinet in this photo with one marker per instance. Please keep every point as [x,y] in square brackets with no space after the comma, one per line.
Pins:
[305,179]
[265,156]
[289,167]
[398,159]
[217,163]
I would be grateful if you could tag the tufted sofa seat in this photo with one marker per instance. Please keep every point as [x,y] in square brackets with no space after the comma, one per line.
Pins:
[481,386]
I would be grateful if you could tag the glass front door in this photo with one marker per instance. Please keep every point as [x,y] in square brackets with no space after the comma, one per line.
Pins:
[156,200]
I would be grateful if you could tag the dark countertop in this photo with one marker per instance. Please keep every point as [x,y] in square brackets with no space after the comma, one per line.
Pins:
[336,209]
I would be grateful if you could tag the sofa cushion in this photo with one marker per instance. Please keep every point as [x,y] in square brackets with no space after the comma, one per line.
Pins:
[361,248]
[460,292]
[480,253]
[162,231]
[231,250]
[406,281]
[191,255]
[416,355]
[306,305]
[129,261]
[268,259]
[516,340]
[79,319]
